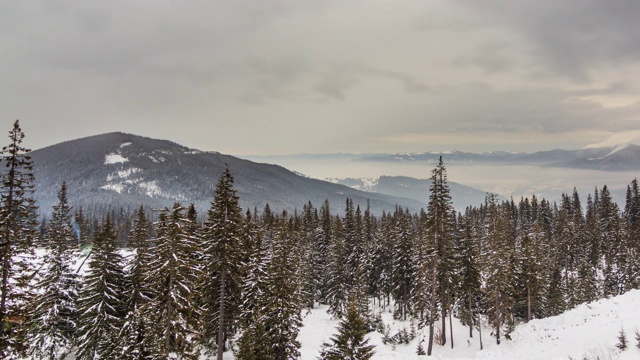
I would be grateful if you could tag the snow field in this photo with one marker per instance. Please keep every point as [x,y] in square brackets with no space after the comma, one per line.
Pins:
[589,331]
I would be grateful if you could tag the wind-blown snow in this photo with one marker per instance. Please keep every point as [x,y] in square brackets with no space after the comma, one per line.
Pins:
[114,159]
[613,151]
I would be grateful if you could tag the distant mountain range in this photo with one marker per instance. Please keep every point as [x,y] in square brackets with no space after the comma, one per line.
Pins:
[124,170]
[621,157]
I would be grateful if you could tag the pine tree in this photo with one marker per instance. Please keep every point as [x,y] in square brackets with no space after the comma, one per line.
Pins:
[100,305]
[469,273]
[441,228]
[622,341]
[172,312]
[498,261]
[223,236]
[17,233]
[350,342]
[135,332]
[337,274]
[282,309]
[404,274]
[55,313]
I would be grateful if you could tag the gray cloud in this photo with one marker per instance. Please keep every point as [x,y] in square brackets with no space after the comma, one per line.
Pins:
[573,37]
[323,76]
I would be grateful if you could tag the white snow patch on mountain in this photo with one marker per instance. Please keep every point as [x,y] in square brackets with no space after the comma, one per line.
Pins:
[123,174]
[151,188]
[114,159]
[114,187]
[125,144]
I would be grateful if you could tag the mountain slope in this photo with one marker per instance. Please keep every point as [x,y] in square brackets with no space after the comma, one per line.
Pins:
[119,169]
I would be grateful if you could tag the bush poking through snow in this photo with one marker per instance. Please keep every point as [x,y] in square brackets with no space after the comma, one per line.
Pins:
[638,339]
[622,340]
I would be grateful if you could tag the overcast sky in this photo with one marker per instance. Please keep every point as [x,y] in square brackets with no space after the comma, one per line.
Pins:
[284,77]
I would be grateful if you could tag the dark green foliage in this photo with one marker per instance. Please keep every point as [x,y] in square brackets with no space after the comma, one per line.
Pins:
[172,314]
[223,239]
[135,333]
[17,234]
[350,342]
[101,306]
[54,320]
[622,341]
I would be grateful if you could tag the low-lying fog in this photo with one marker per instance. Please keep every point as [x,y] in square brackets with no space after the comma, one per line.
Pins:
[507,180]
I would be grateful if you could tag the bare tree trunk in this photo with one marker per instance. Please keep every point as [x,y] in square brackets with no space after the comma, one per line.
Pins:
[470,316]
[450,323]
[433,310]
[497,318]
[528,304]
[221,317]
[480,331]
[444,325]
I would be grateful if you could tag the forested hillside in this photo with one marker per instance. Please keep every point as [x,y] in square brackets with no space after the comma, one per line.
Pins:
[176,284]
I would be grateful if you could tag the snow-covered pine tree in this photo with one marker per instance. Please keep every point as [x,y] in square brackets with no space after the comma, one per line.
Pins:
[404,269]
[254,343]
[223,237]
[101,307]
[135,333]
[441,225]
[282,309]
[17,232]
[498,255]
[609,223]
[308,272]
[424,295]
[337,276]
[173,276]
[350,342]
[469,272]
[54,319]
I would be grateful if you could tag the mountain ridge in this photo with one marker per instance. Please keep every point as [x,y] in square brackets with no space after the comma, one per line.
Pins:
[126,170]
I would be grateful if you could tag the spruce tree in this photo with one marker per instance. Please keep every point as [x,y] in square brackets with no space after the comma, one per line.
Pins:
[223,237]
[174,273]
[101,305]
[135,332]
[17,234]
[350,342]
[55,314]
[282,309]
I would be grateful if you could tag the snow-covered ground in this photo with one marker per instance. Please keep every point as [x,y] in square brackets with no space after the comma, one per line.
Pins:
[589,331]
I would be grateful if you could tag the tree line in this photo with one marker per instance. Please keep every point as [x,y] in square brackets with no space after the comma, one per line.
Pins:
[166,285]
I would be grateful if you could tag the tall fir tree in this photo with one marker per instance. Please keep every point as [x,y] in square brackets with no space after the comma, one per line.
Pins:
[101,305]
[135,332]
[282,310]
[223,237]
[17,233]
[172,312]
[55,313]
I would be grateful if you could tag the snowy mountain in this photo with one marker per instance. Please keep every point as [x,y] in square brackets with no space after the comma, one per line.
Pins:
[408,187]
[590,331]
[124,170]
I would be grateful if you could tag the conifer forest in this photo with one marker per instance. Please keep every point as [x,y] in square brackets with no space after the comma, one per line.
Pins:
[175,284]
